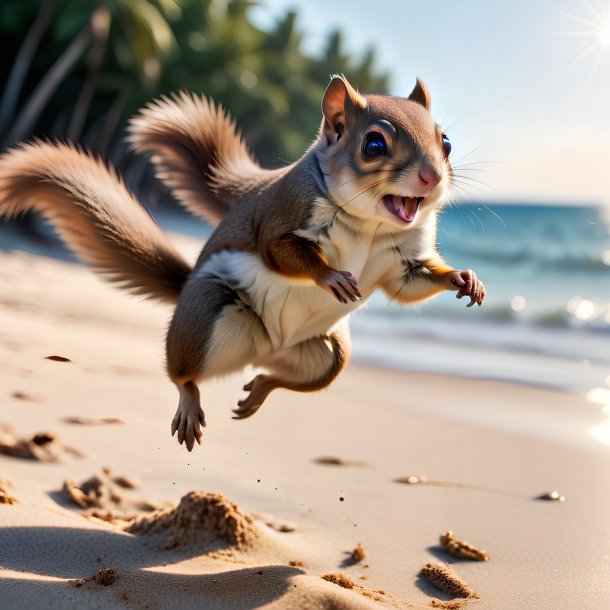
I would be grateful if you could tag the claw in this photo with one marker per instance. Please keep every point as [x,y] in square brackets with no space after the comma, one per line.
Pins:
[338,296]
[189,417]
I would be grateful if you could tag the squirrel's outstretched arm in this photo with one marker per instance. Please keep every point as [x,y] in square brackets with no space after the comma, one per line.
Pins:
[419,280]
[94,214]
[299,258]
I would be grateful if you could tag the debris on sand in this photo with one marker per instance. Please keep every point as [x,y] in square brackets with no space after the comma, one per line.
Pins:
[100,496]
[358,553]
[270,521]
[91,421]
[85,495]
[445,579]
[339,579]
[449,604]
[104,577]
[5,496]
[330,460]
[44,446]
[459,548]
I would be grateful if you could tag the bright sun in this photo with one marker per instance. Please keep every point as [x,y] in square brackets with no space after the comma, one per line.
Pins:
[596,27]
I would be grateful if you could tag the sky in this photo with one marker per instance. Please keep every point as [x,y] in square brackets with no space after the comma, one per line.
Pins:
[522,88]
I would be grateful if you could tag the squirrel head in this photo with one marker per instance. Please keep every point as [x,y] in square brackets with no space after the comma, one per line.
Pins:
[384,157]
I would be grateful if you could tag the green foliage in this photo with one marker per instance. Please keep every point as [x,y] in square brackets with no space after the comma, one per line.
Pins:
[153,47]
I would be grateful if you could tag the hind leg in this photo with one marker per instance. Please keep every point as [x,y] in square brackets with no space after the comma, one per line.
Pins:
[306,367]
[212,333]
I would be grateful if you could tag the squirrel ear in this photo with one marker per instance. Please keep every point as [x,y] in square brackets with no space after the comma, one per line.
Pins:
[338,98]
[420,94]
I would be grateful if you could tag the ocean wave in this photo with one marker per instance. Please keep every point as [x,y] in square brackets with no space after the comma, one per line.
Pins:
[555,317]
[550,336]
[537,257]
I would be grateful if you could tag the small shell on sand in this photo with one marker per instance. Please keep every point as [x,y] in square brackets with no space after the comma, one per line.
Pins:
[412,479]
[56,358]
[105,577]
[339,579]
[200,518]
[443,577]
[551,496]
[358,554]
[459,548]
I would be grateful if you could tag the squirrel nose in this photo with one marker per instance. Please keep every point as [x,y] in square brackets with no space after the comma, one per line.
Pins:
[429,176]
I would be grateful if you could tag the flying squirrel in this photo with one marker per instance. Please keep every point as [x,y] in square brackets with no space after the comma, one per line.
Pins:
[295,249]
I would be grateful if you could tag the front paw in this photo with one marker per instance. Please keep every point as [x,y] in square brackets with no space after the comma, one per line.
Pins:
[341,284]
[467,284]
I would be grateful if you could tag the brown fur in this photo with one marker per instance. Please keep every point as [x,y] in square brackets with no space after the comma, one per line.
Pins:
[95,214]
[197,152]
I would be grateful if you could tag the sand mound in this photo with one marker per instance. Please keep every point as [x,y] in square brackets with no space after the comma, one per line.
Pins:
[202,518]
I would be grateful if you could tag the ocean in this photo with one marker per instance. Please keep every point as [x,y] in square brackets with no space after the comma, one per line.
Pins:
[546,318]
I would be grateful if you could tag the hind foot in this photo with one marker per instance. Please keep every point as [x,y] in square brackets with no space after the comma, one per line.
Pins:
[259,389]
[189,416]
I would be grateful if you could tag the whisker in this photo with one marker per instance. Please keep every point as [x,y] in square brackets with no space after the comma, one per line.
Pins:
[471,179]
[398,168]
[471,169]
[473,150]
[481,162]
[366,189]
[494,214]
[461,118]
[447,111]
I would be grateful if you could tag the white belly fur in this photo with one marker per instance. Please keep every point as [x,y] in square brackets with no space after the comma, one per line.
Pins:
[292,311]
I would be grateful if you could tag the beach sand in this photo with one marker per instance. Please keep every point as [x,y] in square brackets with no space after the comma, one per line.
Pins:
[267,518]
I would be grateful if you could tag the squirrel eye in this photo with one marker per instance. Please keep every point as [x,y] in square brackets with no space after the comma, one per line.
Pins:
[446,145]
[374,146]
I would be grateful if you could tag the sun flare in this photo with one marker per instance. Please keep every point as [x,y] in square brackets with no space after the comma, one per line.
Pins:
[604,36]
[595,25]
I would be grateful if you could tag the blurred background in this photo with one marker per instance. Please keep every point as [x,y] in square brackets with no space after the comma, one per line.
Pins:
[522,89]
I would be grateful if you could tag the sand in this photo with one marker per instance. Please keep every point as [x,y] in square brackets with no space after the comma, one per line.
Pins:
[218,543]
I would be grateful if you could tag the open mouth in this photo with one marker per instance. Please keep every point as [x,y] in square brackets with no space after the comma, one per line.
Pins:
[404,208]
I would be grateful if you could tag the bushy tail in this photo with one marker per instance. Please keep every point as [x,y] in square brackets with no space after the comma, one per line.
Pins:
[197,153]
[95,215]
